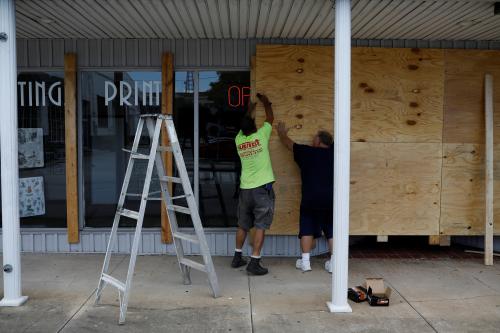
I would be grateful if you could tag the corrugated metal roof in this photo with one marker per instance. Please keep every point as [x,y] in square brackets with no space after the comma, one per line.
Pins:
[172,19]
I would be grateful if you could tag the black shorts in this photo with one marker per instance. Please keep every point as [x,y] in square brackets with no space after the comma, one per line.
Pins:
[256,208]
[314,222]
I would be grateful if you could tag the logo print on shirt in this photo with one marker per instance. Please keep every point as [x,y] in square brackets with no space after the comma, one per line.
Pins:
[249,148]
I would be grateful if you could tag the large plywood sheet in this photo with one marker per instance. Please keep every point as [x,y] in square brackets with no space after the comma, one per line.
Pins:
[397,95]
[463,205]
[299,83]
[464,94]
[395,188]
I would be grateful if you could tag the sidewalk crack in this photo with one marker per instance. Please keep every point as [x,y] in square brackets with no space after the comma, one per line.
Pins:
[88,298]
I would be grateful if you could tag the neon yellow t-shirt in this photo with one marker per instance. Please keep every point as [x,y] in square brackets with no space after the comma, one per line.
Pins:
[256,168]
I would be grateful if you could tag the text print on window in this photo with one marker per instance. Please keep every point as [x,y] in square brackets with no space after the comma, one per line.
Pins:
[238,96]
[37,93]
[130,93]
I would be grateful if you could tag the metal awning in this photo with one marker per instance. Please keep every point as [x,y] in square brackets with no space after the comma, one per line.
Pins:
[175,19]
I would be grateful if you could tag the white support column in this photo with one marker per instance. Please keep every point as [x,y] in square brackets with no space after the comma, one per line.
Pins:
[10,174]
[341,157]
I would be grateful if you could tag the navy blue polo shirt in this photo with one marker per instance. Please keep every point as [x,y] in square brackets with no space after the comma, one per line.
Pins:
[316,169]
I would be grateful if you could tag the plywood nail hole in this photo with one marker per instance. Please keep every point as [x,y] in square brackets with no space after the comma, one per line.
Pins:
[361,140]
[300,116]
[412,67]
[353,182]
[411,122]
[369,90]
[298,97]
[363,85]
[413,104]
[419,114]
[301,60]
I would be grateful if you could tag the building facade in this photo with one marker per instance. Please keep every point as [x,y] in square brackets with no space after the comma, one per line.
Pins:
[119,79]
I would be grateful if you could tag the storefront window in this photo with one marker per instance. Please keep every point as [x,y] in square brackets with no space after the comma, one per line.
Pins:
[41,150]
[184,126]
[223,97]
[111,104]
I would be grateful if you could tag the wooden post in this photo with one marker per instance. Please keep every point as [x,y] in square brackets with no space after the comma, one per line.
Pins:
[167,103]
[70,123]
[488,113]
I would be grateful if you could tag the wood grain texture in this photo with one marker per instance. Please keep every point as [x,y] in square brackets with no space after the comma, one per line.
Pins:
[463,205]
[283,72]
[489,183]
[464,94]
[70,128]
[397,95]
[167,102]
[395,188]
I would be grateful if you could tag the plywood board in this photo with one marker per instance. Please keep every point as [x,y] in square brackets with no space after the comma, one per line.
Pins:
[299,82]
[395,188]
[70,69]
[464,94]
[463,207]
[397,95]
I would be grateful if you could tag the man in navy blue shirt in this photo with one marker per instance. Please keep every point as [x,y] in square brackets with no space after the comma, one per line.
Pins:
[316,208]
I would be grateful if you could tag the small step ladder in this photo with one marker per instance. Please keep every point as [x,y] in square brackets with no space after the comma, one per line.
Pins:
[154,123]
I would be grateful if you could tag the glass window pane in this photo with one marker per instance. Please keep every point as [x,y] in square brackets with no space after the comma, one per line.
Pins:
[223,98]
[184,126]
[41,150]
[112,103]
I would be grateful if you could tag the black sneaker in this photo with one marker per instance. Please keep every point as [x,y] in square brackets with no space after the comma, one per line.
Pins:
[255,268]
[238,260]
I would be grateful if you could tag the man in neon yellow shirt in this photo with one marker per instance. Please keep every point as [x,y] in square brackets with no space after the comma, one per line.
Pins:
[256,200]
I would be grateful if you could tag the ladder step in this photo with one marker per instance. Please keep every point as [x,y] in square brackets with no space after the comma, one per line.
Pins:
[186,237]
[115,282]
[193,264]
[179,209]
[129,213]
[180,197]
[171,179]
[139,156]
[164,148]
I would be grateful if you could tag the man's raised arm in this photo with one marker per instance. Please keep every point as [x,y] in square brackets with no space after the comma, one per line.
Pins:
[283,134]
[267,107]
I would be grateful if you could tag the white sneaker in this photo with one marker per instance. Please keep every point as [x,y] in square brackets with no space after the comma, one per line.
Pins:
[304,266]
[328,266]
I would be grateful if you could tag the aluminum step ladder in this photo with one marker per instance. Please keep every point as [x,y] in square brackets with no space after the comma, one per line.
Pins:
[154,124]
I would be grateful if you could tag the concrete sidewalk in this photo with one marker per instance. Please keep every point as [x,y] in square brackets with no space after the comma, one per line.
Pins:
[428,296]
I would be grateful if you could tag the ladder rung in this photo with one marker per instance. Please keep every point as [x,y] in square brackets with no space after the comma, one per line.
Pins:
[179,209]
[115,282]
[193,264]
[186,237]
[171,179]
[180,197]
[139,156]
[165,148]
[130,213]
